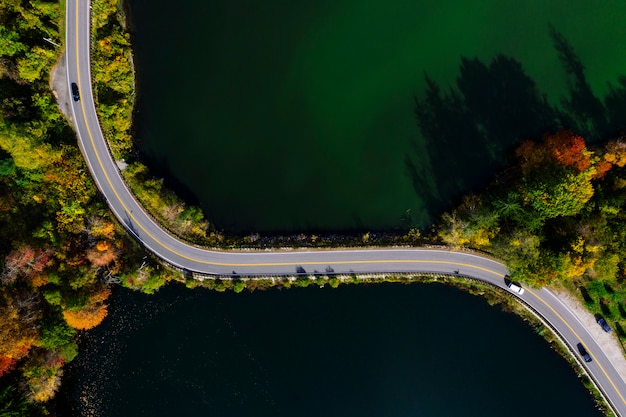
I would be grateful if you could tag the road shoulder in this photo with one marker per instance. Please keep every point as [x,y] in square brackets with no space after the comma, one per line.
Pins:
[608,341]
[60,89]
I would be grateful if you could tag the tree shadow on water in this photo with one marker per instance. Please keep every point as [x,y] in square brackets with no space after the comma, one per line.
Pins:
[468,131]
[589,116]
[160,168]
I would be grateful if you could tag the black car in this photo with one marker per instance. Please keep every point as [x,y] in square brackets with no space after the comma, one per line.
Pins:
[583,352]
[604,324]
[75,93]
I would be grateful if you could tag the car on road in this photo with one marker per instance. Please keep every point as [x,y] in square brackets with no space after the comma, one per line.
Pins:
[583,352]
[75,93]
[605,326]
[513,286]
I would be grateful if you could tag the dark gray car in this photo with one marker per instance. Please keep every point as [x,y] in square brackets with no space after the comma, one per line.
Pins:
[583,352]
[75,93]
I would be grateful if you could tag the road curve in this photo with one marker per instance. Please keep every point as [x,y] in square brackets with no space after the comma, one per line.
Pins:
[124,206]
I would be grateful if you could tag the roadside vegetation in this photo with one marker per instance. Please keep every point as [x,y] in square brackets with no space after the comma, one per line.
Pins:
[113,75]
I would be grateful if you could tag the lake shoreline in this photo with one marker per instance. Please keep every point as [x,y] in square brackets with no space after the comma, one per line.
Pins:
[121,339]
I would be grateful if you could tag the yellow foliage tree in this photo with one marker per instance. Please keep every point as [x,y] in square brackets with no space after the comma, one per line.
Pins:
[477,231]
[616,153]
[17,327]
[43,385]
[100,12]
[35,64]
[24,143]
[71,217]
[39,280]
[101,228]
[69,179]
[454,231]
[575,265]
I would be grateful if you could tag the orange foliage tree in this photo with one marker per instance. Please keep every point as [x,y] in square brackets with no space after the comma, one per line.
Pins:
[562,147]
[86,318]
[90,316]
[6,364]
[100,296]
[602,167]
[103,246]
[102,255]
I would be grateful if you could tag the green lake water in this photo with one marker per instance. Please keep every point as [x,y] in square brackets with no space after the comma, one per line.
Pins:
[280,116]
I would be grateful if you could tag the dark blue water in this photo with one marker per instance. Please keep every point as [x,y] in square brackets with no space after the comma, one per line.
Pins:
[384,350]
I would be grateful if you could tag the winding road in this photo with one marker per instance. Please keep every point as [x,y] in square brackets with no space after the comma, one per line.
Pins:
[275,263]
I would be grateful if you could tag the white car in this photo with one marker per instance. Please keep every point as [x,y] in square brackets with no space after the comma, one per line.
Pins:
[515,287]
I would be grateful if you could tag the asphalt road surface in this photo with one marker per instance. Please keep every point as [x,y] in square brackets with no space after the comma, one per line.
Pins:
[256,263]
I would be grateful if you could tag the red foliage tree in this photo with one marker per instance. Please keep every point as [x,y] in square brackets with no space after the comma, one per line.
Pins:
[6,364]
[569,150]
[16,262]
[25,261]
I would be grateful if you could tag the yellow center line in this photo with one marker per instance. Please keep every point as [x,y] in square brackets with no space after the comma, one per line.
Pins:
[580,339]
